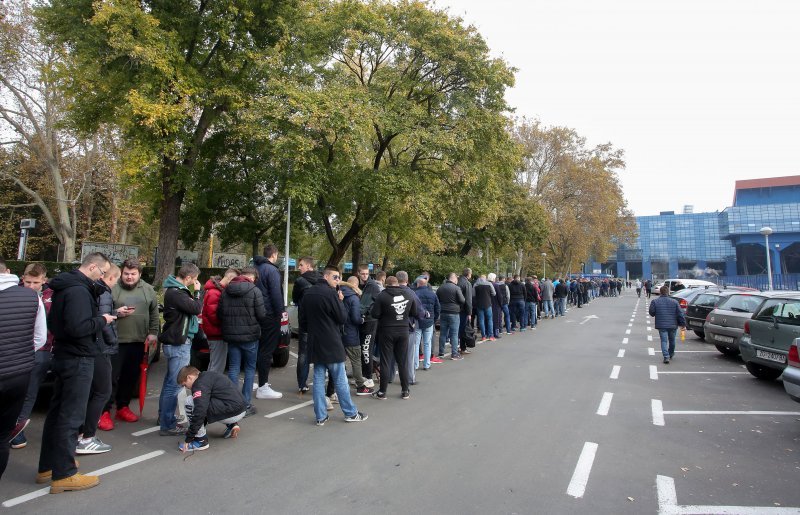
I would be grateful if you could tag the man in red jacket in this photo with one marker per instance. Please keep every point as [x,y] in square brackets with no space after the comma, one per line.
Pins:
[211,323]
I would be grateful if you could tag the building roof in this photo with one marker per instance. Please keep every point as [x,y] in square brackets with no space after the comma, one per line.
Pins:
[768,182]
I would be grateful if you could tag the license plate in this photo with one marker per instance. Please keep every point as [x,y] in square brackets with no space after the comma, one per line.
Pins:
[726,339]
[696,324]
[771,356]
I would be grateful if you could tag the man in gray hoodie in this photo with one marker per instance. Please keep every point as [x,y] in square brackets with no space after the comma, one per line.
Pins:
[547,299]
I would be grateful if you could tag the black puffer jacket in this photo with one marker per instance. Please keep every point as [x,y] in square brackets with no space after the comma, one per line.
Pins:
[215,398]
[516,291]
[241,311]
[18,308]
[74,318]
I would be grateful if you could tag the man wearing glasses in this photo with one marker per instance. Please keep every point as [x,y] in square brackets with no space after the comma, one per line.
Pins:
[322,315]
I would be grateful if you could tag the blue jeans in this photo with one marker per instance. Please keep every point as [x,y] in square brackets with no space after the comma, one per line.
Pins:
[519,314]
[339,379]
[506,317]
[448,328]
[177,358]
[559,305]
[530,308]
[303,367]
[485,322]
[243,354]
[42,361]
[423,336]
[547,308]
[667,341]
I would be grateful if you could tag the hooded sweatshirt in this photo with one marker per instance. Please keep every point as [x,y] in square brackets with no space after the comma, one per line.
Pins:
[393,309]
[484,291]
[181,308]
[74,316]
[211,324]
[352,324]
[20,314]
[269,282]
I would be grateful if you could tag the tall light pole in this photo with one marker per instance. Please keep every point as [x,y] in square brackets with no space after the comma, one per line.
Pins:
[544,265]
[766,231]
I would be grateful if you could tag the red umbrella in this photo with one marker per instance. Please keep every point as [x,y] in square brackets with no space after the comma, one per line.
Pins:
[143,366]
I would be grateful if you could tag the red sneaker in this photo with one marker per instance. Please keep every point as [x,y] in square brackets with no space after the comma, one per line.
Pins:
[436,360]
[105,423]
[125,414]
[421,356]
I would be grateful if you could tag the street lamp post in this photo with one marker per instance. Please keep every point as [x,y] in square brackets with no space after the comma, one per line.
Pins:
[766,231]
[544,265]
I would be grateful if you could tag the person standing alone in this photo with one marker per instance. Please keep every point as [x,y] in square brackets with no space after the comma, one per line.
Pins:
[669,317]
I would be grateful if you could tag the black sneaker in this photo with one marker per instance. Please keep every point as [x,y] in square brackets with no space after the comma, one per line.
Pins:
[175,431]
[364,391]
[322,422]
[405,395]
[379,395]
[358,417]
[666,361]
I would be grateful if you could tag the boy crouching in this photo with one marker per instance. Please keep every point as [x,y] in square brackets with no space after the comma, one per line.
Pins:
[213,399]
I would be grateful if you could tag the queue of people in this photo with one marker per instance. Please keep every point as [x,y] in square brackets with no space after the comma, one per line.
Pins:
[92,327]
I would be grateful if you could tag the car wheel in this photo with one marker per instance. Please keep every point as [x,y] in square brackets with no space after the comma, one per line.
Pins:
[761,372]
[700,334]
[727,350]
[280,358]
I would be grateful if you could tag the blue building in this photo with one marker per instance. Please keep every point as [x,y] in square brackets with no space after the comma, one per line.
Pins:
[726,244]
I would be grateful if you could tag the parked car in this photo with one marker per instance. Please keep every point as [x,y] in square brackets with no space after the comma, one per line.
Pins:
[724,326]
[791,374]
[701,303]
[769,334]
[681,284]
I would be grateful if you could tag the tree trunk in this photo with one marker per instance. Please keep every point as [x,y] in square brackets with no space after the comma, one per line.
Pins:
[255,242]
[465,249]
[385,263]
[170,211]
[357,250]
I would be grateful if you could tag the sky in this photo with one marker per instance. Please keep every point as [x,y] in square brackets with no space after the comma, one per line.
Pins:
[698,93]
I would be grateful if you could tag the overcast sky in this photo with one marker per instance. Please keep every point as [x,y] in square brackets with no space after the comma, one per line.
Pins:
[699,93]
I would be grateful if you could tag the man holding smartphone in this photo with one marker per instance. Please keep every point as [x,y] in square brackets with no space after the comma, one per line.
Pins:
[137,330]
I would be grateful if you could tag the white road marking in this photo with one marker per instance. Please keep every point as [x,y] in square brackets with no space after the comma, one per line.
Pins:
[146,431]
[653,372]
[627,331]
[615,372]
[668,504]
[289,409]
[621,353]
[580,478]
[630,325]
[625,341]
[701,373]
[605,404]
[294,355]
[649,328]
[696,351]
[657,407]
[769,413]
[44,491]
[649,338]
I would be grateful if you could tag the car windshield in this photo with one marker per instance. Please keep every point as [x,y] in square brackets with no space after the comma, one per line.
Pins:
[741,303]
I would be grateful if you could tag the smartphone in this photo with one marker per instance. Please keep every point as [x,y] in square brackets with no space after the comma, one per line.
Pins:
[130,308]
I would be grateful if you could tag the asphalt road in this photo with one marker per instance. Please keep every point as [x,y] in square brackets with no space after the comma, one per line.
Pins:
[537,422]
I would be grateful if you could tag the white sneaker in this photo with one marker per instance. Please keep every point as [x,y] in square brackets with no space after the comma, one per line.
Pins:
[369,383]
[328,404]
[335,398]
[265,392]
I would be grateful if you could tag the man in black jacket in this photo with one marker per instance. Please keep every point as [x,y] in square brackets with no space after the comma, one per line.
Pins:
[241,314]
[76,324]
[393,309]
[213,399]
[321,317]
[465,317]
[308,278]
[181,308]
[269,282]
[368,332]
[451,300]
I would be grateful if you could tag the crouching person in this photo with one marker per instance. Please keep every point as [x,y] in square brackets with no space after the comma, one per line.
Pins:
[214,399]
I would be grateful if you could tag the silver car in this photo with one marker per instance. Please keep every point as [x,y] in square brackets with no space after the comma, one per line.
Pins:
[725,324]
[791,374]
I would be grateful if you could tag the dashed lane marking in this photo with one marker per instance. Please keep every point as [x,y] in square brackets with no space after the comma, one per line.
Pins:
[649,338]
[605,404]
[580,478]
[289,409]
[44,491]
[146,431]
[621,353]
[625,341]
[653,372]
[657,408]
[627,331]
[651,351]
[615,372]
[668,504]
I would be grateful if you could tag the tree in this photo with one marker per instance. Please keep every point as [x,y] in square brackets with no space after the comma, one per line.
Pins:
[402,106]
[578,189]
[168,73]
[33,107]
